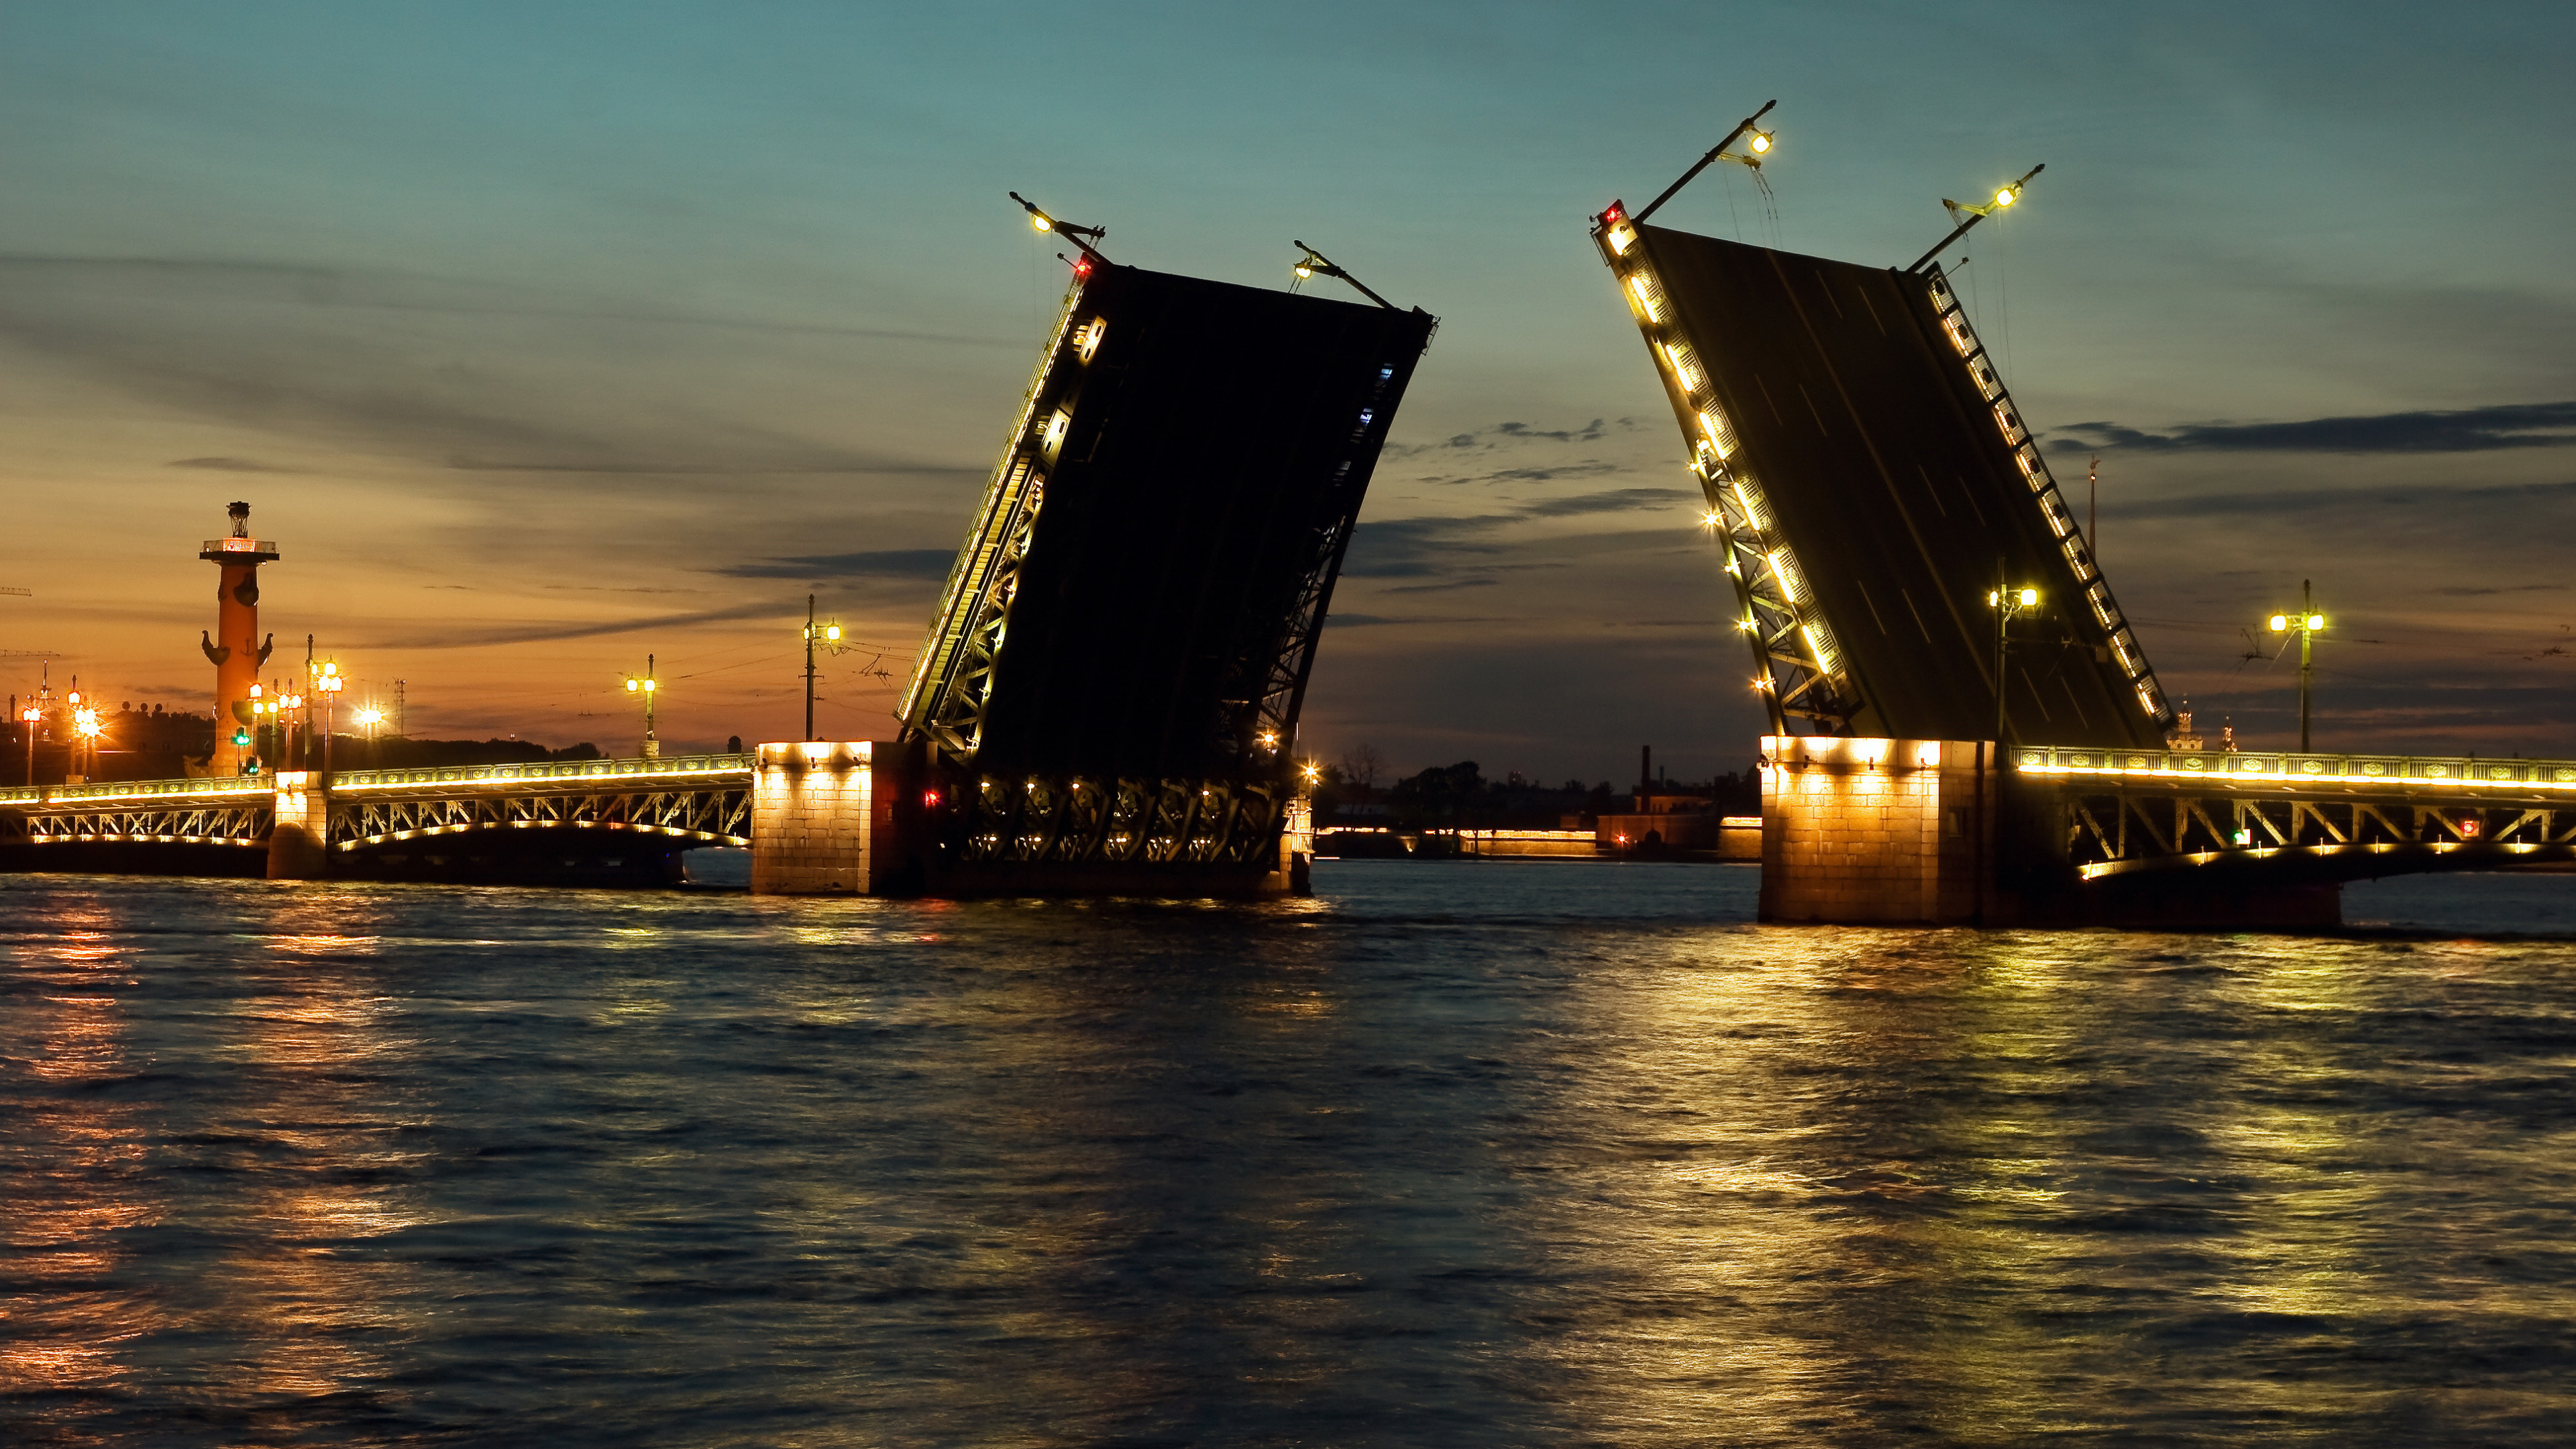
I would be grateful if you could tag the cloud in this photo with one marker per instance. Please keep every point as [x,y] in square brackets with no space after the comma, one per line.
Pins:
[1357,621]
[307,352]
[2467,430]
[454,638]
[1426,547]
[1617,500]
[1406,548]
[1479,583]
[1508,434]
[1525,475]
[2499,505]
[897,563]
[602,589]
[2471,593]
[228,465]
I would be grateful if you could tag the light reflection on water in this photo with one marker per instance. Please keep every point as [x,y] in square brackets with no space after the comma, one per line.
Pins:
[1458,1154]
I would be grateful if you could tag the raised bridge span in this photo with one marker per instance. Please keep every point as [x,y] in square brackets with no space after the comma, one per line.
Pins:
[1107,701]
[1964,726]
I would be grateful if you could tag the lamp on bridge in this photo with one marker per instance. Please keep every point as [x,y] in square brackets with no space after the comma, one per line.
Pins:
[2008,603]
[329,683]
[827,635]
[645,687]
[86,727]
[2306,623]
[32,716]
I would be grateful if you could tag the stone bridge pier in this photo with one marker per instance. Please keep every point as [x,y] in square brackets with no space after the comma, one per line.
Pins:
[838,818]
[1943,833]
[1876,832]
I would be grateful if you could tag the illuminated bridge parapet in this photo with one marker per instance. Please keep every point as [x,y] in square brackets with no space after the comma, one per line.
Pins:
[702,798]
[699,798]
[2324,816]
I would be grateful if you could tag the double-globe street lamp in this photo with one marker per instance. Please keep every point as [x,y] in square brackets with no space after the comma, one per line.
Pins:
[646,687]
[2307,624]
[2008,604]
[827,635]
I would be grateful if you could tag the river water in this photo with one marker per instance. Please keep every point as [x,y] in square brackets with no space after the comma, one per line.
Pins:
[1455,1154]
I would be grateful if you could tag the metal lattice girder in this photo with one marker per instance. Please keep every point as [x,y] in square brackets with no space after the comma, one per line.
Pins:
[2356,815]
[716,812]
[1065,821]
[237,822]
[1796,669]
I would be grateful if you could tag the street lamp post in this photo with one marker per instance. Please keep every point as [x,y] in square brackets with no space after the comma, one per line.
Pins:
[2007,603]
[32,716]
[85,724]
[329,684]
[646,687]
[830,637]
[286,707]
[370,717]
[2306,623]
[264,725]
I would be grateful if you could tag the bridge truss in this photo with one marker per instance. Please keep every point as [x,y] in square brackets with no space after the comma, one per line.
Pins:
[1128,822]
[705,799]
[234,822]
[2339,816]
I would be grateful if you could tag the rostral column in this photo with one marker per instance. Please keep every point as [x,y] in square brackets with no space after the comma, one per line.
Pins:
[236,646]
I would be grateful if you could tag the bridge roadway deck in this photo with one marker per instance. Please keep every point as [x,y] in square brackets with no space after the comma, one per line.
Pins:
[2304,817]
[701,799]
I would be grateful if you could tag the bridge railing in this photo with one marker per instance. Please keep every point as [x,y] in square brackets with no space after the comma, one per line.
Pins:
[126,792]
[680,769]
[2276,769]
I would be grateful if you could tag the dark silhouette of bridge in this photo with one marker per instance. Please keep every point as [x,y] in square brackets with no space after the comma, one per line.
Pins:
[1964,725]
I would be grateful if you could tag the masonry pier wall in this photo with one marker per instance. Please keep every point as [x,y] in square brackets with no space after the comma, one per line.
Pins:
[1876,832]
[299,837]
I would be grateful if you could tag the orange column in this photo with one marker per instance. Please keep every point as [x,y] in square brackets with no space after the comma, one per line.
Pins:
[235,646]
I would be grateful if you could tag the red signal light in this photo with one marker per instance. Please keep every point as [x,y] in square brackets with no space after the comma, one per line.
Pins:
[929,797]
[1082,267]
[1615,213]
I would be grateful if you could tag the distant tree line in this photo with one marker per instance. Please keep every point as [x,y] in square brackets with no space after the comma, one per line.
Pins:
[1459,797]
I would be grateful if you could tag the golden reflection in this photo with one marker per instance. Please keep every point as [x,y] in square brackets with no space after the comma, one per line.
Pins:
[82,1144]
[321,1169]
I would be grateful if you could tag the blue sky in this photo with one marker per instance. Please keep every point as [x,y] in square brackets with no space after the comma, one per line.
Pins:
[541,334]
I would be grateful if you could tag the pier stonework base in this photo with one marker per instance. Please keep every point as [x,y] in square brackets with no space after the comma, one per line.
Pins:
[813,818]
[1876,832]
[298,841]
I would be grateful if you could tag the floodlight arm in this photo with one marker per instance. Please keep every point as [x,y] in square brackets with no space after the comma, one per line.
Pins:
[1318,263]
[1706,161]
[1975,214]
[1072,233]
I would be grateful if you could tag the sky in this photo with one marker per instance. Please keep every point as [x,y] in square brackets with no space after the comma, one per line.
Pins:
[544,337]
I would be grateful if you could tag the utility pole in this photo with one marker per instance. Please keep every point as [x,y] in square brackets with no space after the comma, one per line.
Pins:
[809,666]
[647,686]
[2003,649]
[2093,509]
[2306,622]
[2307,611]
[400,731]
[2007,602]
